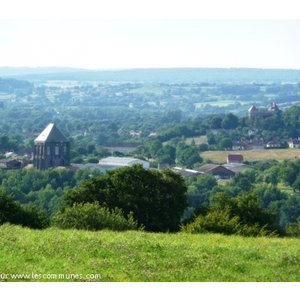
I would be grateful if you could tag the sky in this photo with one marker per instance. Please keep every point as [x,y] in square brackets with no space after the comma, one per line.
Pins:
[92,34]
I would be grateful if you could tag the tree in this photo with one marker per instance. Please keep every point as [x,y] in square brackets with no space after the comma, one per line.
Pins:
[167,155]
[230,121]
[245,181]
[247,207]
[188,156]
[296,184]
[15,213]
[225,143]
[199,190]
[156,199]
[215,122]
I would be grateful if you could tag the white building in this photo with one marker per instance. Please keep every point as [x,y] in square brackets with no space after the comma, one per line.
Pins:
[112,163]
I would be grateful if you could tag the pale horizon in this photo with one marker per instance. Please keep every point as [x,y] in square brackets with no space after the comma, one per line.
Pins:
[143,44]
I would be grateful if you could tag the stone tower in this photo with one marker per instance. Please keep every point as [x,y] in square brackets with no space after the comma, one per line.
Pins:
[51,149]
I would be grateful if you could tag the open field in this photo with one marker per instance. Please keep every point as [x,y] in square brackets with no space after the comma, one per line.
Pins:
[140,256]
[201,139]
[253,155]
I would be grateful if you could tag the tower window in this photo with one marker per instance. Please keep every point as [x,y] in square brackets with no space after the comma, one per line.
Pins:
[56,150]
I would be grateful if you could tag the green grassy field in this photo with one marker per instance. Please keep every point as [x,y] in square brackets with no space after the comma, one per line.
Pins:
[140,256]
[201,139]
[253,155]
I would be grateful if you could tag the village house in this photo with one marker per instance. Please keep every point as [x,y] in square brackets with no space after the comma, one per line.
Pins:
[274,144]
[294,143]
[12,164]
[135,134]
[218,171]
[248,145]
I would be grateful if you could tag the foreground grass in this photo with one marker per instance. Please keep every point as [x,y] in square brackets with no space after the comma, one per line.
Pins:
[140,256]
[253,155]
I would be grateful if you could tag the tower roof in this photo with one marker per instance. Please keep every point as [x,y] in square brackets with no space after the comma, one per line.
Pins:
[50,134]
[273,107]
[252,109]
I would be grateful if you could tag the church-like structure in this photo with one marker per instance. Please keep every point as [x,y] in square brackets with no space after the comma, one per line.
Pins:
[254,112]
[51,149]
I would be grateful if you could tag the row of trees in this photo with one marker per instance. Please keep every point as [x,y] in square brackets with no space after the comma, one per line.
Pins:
[161,201]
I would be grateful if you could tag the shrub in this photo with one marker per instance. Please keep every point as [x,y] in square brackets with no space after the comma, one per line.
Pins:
[294,229]
[15,213]
[91,216]
[214,221]
[222,222]
[34,217]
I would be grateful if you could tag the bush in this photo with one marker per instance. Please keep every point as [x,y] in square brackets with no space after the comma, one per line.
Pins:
[222,222]
[234,215]
[15,213]
[91,216]
[34,217]
[294,229]
[214,221]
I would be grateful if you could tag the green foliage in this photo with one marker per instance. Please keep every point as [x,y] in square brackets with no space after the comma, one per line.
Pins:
[245,181]
[91,216]
[247,207]
[199,190]
[230,121]
[234,215]
[187,156]
[225,143]
[44,189]
[15,213]
[294,229]
[214,221]
[34,217]
[156,199]
[287,210]
[268,193]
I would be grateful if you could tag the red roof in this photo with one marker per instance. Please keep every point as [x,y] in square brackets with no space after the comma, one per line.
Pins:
[235,158]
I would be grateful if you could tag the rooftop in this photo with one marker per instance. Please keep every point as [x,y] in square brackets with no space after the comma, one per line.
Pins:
[119,161]
[186,172]
[237,168]
[51,134]
[235,158]
[207,167]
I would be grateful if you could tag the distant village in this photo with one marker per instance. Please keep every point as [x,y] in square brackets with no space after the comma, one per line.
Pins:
[52,149]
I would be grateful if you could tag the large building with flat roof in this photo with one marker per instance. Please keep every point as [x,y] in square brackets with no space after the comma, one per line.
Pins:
[112,163]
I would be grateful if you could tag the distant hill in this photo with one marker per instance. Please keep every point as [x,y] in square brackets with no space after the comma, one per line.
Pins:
[20,71]
[9,85]
[218,75]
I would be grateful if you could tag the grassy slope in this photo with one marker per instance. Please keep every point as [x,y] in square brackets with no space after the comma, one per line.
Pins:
[138,256]
[251,155]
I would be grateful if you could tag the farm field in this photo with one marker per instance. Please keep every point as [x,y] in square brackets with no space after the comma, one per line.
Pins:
[140,256]
[201,139]
[253,155]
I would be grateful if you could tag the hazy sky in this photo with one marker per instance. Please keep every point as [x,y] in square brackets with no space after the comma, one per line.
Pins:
[150,42]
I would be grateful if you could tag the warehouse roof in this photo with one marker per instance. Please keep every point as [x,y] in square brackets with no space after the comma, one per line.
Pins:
[120,161]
